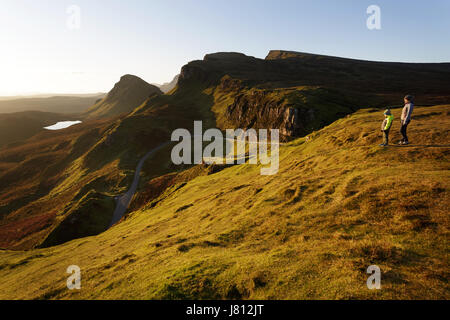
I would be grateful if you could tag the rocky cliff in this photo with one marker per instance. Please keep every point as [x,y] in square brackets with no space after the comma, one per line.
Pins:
[300,92]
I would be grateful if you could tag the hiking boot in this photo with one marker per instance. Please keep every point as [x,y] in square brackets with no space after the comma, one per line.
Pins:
[400,142]
[383,145]
[405,143]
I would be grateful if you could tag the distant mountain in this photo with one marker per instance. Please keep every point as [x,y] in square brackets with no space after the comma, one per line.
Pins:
[67,104]
[49,95]
[166,87]
[127,94]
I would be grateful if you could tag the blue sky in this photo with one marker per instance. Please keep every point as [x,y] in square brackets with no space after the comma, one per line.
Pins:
[153,39]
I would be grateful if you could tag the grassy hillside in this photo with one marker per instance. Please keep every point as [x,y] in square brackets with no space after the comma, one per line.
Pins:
[127,94]
[43,177]
[19,126]
[338,204]
[53,178]
[84,166]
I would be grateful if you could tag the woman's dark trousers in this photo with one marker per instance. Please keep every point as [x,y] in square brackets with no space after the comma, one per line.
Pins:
[403,131]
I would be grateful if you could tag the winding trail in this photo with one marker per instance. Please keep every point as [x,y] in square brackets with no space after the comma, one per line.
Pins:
[123,201]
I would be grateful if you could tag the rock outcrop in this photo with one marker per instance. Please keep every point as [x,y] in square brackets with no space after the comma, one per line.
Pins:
[260,111]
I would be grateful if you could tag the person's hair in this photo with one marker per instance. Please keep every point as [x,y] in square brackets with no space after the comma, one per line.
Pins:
[409,97]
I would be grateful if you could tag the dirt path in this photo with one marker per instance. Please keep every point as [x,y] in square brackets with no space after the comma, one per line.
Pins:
[123,201]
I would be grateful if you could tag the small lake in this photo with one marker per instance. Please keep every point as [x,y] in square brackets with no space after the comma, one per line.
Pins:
[62,125]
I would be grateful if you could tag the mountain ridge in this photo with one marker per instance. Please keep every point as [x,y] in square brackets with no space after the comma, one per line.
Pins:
[126,95]
[286,54]
[168,86]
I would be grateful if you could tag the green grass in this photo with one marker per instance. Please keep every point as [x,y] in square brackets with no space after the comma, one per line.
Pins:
[50,173]
[338,204]
[91,215]
[42,176]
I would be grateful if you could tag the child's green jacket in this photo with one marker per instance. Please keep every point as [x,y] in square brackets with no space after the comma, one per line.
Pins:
[387,122]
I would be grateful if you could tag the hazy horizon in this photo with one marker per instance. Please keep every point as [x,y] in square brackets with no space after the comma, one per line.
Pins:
[49,95]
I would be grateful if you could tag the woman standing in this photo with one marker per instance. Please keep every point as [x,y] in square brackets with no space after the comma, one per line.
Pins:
[406,118]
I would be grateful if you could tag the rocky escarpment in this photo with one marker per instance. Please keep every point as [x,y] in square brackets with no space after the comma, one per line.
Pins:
[298,92]
[214,66]
[260,111]
[191,72]
[294,111]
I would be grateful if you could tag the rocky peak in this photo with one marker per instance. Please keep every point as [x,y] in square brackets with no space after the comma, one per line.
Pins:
[225,56]
[282,54]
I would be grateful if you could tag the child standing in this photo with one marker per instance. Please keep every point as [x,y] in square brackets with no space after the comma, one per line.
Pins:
[386,126]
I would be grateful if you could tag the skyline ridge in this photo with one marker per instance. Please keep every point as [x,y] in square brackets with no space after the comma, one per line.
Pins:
[272,51]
